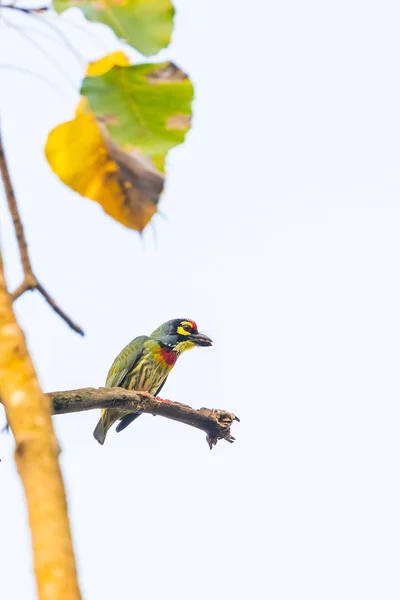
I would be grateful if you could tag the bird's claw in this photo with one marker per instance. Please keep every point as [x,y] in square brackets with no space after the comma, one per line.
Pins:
[145,394]
[148,395]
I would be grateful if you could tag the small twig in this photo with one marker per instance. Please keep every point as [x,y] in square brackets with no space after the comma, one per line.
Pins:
[40,48]
[30,280]
[48,82]
[215,423]
[82,62]
[52,303]
[23,9]
[40,16]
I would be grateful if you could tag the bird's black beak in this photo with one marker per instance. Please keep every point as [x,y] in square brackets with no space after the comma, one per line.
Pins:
[200,339]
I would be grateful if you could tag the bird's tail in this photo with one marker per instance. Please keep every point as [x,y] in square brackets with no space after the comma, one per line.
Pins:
[106,421]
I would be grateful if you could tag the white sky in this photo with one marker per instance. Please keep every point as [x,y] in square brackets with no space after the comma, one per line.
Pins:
[282,242]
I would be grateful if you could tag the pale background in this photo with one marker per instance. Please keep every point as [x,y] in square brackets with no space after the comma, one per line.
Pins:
[282,242]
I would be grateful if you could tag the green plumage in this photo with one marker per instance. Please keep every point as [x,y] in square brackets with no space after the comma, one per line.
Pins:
[126,361]
[144,365]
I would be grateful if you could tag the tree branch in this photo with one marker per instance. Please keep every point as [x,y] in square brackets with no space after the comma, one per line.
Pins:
[36,454]
[30,280]
[215,423]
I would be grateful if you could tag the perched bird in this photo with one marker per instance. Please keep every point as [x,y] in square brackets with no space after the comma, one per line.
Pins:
[144,365]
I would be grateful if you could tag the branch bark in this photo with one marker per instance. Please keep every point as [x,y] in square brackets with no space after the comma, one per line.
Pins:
[36,454]
[30,281]
[215,423]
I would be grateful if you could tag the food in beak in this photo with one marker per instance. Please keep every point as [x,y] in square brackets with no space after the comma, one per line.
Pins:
[200,339]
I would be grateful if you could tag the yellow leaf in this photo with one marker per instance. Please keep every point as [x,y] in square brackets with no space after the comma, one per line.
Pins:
[104,64]
[126,184]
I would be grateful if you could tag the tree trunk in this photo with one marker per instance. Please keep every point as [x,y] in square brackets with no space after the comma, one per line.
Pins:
[28,413]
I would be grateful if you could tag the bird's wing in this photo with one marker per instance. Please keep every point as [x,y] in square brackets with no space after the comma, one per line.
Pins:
[125,361]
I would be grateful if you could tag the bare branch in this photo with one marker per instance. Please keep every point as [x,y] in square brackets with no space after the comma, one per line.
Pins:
[215,423]
[30,280]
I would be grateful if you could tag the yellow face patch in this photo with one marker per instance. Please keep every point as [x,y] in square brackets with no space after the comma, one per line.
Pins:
[182,331]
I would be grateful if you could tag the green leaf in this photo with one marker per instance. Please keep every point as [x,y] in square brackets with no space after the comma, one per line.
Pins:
[144,107]
[144,24]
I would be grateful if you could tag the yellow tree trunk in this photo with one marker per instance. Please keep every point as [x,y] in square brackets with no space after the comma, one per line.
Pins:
[36,454]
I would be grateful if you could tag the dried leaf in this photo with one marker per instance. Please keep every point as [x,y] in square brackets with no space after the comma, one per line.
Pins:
[114,150]
[83,156]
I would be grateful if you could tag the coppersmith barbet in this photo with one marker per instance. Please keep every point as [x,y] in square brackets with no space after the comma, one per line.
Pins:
[144,365]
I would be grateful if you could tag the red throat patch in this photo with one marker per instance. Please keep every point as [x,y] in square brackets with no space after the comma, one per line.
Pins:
[168,356]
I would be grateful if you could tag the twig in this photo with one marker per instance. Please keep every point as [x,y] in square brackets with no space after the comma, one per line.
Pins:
[36,45]
[23,9]
[215,423]
[30,280]
[48,82]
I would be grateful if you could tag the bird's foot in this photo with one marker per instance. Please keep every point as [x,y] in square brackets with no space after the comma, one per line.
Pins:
[148,395]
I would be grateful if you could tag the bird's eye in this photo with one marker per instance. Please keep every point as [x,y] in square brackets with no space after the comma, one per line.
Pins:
[187,328]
